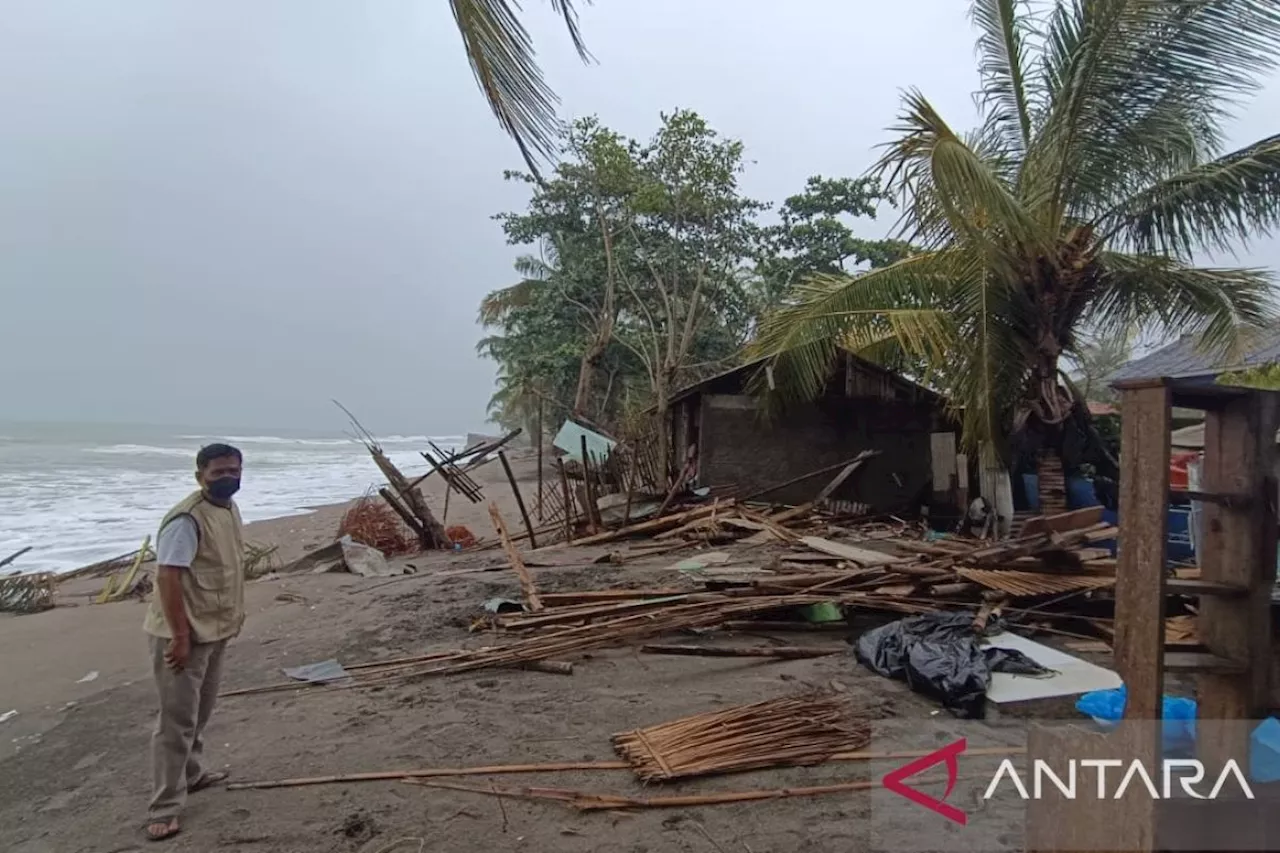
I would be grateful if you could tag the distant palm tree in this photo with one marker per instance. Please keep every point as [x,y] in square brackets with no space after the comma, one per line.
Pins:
[503,60]
[1077,205]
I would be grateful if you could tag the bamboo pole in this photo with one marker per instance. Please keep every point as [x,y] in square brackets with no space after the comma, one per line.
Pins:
[593,509]
[515,490]
[540,443]
[568,503]
[393,775]
[802,478]
[505,769]
[653,525]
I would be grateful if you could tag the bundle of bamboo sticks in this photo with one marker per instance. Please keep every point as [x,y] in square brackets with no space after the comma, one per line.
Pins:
[775,733]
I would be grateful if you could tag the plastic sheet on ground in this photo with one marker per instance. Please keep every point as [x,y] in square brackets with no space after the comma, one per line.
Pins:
[364,560]
[939,655]
[324,672]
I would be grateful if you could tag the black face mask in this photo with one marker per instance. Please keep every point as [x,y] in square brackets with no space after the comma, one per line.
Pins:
[223,488]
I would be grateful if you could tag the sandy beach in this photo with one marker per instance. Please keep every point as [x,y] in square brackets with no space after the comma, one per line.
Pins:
[74,769]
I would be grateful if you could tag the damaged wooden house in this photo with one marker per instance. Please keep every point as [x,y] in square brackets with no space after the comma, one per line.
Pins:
[734,442]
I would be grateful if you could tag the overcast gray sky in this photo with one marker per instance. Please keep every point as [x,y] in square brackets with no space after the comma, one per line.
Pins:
[230,212]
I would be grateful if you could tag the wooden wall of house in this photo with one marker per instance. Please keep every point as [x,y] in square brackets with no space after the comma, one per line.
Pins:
[740,447]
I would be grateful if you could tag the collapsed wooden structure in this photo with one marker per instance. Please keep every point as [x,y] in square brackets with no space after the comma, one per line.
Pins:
[1237,556]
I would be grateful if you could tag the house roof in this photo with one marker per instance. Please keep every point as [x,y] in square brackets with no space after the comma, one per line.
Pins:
[1186,358]
[862,363]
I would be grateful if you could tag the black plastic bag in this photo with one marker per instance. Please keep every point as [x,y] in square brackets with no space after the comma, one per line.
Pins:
[940,655]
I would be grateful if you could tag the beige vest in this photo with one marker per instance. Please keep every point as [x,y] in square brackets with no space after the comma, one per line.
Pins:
[213,588]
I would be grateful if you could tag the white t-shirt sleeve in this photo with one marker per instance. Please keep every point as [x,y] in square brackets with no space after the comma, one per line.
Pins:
[178,542]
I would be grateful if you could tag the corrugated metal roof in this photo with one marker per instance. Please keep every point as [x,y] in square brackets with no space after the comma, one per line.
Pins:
[1185,357]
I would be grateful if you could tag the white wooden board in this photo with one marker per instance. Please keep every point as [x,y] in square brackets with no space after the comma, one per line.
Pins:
[1074,676]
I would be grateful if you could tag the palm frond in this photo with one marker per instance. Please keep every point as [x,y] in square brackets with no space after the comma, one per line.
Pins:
[500,303]
[1211,206]
[1110,63]
[948,188]
[905,302]
[1003,34]
[1223,306]
[504,62]
[995,365]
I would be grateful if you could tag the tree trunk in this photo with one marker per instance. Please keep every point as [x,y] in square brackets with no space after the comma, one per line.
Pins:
[663,419]
[1052,486]
[997,488]
[586,372]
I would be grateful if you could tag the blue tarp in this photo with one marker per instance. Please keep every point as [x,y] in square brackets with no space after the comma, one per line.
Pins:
[1178,732]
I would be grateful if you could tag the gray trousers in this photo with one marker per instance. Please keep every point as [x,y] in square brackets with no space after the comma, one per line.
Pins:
[187,698]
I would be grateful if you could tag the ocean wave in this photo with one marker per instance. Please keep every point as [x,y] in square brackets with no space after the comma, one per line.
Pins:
[140,450]
[442,440]
[270,439]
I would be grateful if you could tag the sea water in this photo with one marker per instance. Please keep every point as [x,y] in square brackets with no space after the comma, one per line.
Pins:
[81,493]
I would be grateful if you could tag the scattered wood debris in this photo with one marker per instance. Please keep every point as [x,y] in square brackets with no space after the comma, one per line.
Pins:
[776,733]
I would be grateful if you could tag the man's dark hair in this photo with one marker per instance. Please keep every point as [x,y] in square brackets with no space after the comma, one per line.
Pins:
[210,452]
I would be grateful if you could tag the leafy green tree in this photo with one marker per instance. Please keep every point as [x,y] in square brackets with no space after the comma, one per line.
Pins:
[638,281]
[689,238]
[1078,204]
[814,235]
[1264,377]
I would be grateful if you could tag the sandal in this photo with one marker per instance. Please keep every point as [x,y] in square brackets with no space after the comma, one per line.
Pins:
[208,780]
[171,828]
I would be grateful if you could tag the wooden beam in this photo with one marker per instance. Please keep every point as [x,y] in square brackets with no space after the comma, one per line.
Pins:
[526,580]
[1238,549]
[1140,571]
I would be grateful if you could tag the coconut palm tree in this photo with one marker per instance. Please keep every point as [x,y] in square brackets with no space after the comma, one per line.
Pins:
[503,61]
[1077,206]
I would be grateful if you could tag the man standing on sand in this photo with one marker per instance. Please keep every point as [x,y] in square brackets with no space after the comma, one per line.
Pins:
[197,607]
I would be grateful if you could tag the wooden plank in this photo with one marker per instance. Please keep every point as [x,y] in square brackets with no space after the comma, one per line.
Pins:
[1238,548]
[1203,663]
[1183,586]
[526,579]
[861,556]
[837,481]
[1062,522]
[1140,573]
